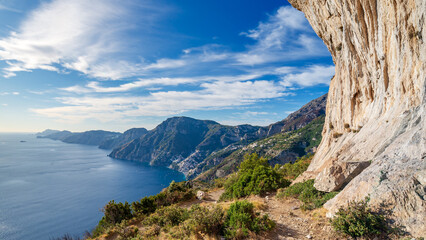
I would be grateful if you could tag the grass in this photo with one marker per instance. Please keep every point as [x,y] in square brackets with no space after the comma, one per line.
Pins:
[307,193]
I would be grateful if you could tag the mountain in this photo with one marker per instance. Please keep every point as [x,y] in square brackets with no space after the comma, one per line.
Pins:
[124,138]
[94,137]
[56,135]
[374,141]
[192,146]
[294,121]
[280,148]
[181,142]
[301,117]
[46,132]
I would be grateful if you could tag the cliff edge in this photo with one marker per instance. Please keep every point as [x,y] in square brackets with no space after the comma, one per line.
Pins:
[374,137]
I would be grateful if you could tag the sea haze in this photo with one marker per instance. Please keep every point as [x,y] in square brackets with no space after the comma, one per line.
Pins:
[49,188]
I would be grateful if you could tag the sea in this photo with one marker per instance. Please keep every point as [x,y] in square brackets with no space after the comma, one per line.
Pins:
[49,188]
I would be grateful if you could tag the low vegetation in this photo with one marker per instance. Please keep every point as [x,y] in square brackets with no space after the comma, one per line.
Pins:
[241,221]
[358,220]
[116,213]
[307,193]
[293,170]
[255,176]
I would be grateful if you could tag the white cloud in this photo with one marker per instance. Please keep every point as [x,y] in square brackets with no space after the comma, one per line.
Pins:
[4,104]
[216,95]
[73,34]
[8,93]
[214,92]
[96,87]
[285,36]
[254,114]
[166,63]
[309,76]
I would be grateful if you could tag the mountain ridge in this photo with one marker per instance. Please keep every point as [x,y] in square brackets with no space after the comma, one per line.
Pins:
[158,147]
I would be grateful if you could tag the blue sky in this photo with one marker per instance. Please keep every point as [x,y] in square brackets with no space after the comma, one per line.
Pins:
[114,65]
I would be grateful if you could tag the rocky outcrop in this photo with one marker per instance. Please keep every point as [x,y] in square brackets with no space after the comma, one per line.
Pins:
[374,138]
[301,117]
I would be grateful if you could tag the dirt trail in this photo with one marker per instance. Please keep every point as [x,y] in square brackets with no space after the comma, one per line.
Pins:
[293,223]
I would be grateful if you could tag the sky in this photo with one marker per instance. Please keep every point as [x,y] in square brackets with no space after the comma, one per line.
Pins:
[117,64]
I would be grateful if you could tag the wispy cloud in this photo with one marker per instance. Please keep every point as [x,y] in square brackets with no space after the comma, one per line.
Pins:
[74,34]
[165,81]
[309,76]
[222,92]
[164,103]
[285,36]
[65,35]
[6,8]
[9,93]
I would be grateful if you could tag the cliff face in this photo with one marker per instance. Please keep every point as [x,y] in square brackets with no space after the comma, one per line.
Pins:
[374,138]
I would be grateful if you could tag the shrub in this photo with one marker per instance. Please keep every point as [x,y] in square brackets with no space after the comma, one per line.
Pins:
[308,194]
[293,170]
[100,228]
[114,213]
[117,212]
[255,176]
[167,216]
[241,220]
[146,205]
[207,221]
[175,193]
[358,220]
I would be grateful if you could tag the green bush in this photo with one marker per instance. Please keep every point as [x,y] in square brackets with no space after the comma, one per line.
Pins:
[175,193]
[358,220]
[117,212]
[293,170]
[114,213]
[167,216]
[241,220]
[146,205]
[307,193]
[255,176]
[207,221]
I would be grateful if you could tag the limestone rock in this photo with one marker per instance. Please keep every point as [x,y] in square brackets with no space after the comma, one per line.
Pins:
[374,138]
[201,195]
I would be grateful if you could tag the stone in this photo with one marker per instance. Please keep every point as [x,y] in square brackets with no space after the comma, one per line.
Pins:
[374,137]
[201,195]
[309,236]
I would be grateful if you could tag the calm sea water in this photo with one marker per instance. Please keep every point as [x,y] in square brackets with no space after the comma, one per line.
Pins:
[49,188]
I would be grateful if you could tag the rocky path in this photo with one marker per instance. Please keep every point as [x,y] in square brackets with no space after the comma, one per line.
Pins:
[293,223]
